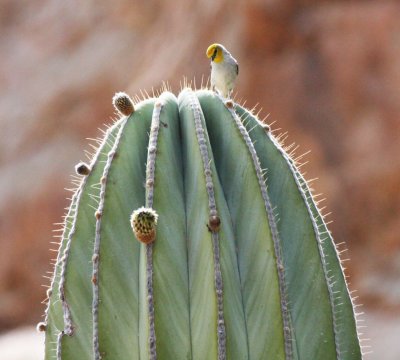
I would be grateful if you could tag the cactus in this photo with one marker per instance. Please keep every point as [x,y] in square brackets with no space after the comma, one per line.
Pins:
[234,261]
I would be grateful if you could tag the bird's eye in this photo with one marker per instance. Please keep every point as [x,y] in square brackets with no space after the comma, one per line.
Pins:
[214,54]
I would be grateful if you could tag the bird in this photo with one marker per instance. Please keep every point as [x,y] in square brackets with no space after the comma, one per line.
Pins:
[224,69]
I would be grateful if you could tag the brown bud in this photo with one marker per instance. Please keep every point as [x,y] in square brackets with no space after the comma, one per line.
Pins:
[41,327]
[123,103]
[229,104]
[214,223]
[82,169]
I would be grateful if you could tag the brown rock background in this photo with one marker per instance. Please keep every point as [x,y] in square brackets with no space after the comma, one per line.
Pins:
[326,71]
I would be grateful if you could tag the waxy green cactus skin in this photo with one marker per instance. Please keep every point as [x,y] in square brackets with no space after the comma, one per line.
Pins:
[263,282]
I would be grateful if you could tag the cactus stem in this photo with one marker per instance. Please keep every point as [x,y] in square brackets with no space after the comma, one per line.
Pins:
[96,250]
[69,228]
[287,327]
[150,177]
[213,225]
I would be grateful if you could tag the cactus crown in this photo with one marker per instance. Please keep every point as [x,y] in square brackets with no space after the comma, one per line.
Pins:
[243,265]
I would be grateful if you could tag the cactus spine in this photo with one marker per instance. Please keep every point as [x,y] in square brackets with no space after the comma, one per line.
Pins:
[240,266]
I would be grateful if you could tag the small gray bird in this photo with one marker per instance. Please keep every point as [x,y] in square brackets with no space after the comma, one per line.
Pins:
[224,69]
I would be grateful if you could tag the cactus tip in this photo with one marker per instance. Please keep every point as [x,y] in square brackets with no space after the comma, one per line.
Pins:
[82,169]
[123,103]
[144,222]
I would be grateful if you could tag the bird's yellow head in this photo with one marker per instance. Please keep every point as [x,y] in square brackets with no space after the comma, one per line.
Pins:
[215,52]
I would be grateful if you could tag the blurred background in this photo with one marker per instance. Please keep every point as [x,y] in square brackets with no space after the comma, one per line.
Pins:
[328,72]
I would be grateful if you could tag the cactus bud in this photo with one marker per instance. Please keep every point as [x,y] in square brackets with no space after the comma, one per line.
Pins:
[82,169]
[214,223]
[229,104]
[41,327]
[123,103]
[144,222]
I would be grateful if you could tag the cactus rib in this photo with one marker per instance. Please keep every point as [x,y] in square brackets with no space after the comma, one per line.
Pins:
[64,253]
[332,264]
[287,327]
[169,253]
[343,325]
[203,306]
[150,174]
[221,334]
[253,237]
[320,247]
[120,254]
[97,239]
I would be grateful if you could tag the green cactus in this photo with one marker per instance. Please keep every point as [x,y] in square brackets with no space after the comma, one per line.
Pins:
[238,265]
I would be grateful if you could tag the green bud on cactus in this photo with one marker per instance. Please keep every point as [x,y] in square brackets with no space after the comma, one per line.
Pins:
[144,222]
[224,279]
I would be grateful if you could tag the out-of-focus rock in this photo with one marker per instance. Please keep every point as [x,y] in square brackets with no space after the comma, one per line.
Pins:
[328,73]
